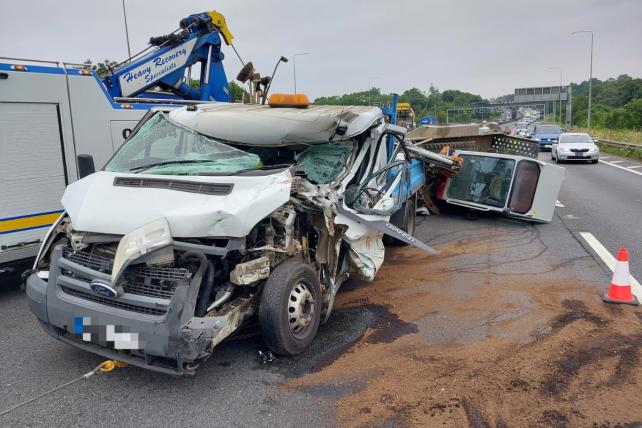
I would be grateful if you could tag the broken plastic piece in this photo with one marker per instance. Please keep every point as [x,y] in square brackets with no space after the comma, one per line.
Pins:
[250,272]
[266,356]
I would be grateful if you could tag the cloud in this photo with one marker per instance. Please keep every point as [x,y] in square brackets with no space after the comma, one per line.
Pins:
[488,47]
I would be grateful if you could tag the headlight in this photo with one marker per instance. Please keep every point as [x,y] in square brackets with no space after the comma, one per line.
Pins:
[47,240]
[150,237]
[535,138]
[562,150]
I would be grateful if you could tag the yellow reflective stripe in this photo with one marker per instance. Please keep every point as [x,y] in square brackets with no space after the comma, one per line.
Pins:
[28,222]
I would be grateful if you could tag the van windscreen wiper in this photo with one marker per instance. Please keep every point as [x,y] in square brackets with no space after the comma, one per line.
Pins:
[241,171]
[172,162]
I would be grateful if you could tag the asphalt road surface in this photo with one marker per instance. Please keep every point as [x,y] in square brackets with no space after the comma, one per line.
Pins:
[235,388]
[605,199]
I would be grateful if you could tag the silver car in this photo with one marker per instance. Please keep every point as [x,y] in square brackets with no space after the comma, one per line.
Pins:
[575,146]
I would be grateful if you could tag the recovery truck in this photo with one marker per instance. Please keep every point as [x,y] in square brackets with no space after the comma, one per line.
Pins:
[50,112]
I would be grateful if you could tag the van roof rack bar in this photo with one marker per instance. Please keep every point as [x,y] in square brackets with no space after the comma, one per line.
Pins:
[29,60]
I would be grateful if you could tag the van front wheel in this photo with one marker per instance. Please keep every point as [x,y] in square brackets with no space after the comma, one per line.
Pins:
[290,308]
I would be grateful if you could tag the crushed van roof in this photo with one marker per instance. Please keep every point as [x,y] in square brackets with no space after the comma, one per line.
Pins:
[262,125]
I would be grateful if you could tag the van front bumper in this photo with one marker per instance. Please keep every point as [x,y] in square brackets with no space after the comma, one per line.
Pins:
[174,342]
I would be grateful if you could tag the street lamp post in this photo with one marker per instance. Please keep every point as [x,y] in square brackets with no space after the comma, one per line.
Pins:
[294,63]
[129,51]
[559,95]
[590,75]
[370,87]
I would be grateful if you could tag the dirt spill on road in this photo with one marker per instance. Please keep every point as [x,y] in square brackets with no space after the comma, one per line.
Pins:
[567,359]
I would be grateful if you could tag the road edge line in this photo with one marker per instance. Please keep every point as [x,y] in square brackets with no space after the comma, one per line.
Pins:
[609,260]
[620,167]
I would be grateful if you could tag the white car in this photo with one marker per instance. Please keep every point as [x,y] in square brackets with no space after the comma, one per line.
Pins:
[575,146]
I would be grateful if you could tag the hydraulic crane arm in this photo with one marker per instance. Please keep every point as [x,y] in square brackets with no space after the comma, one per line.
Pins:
[218,20]
[197,42]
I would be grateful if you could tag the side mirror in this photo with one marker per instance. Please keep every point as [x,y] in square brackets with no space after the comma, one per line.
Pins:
[85,165]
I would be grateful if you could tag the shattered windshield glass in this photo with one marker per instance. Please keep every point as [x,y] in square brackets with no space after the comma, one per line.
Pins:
[483,180]
[323,163]
[164,148]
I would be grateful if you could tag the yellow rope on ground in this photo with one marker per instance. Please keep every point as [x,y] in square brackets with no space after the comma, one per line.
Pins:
[104,367]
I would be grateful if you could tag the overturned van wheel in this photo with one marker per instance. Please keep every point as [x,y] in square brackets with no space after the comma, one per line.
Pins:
[290,308]
[404,219]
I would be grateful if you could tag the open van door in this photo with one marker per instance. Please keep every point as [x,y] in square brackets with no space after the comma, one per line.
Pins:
[536,186]
[515,186]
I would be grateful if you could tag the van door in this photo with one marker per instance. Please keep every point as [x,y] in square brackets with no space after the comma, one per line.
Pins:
[536,186]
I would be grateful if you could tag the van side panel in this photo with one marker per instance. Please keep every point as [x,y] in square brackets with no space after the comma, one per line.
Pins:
[33,174]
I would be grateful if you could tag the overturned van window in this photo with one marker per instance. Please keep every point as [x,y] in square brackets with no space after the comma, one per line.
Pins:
[162,147]
[523,193]
[483,180]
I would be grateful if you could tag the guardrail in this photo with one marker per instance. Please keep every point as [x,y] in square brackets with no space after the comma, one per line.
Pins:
[620,145]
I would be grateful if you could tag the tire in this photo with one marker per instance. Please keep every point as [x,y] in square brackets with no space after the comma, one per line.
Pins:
[292,279]
[594,161]
[557,160]
[404,219]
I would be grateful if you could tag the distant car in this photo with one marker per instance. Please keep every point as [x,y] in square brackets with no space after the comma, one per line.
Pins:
[575,146]
[522,129]
[546,135]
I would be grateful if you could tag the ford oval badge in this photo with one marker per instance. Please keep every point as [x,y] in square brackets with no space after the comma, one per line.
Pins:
[103,290]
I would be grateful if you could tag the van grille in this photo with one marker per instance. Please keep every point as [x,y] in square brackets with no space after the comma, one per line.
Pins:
[89,260]
[114,303]
[151,281]
[218,189]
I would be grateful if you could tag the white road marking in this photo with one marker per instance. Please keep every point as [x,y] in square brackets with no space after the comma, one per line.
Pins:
[621,167]
[559,204]
[606,157]
[633,167]
[618,161]
[609,260]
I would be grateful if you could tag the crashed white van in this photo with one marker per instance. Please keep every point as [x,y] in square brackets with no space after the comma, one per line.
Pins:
[210,215]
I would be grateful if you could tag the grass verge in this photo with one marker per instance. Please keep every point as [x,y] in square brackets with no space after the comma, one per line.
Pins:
[628,136]
[631,153]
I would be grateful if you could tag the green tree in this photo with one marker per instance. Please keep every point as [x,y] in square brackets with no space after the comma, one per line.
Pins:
[237,92]
[101,68]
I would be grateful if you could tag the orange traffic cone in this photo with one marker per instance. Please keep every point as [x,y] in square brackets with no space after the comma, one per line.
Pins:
[620,288]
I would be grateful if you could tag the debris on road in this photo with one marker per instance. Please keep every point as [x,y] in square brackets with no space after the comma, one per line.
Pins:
[266,356]
[495,172]
[502,350]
